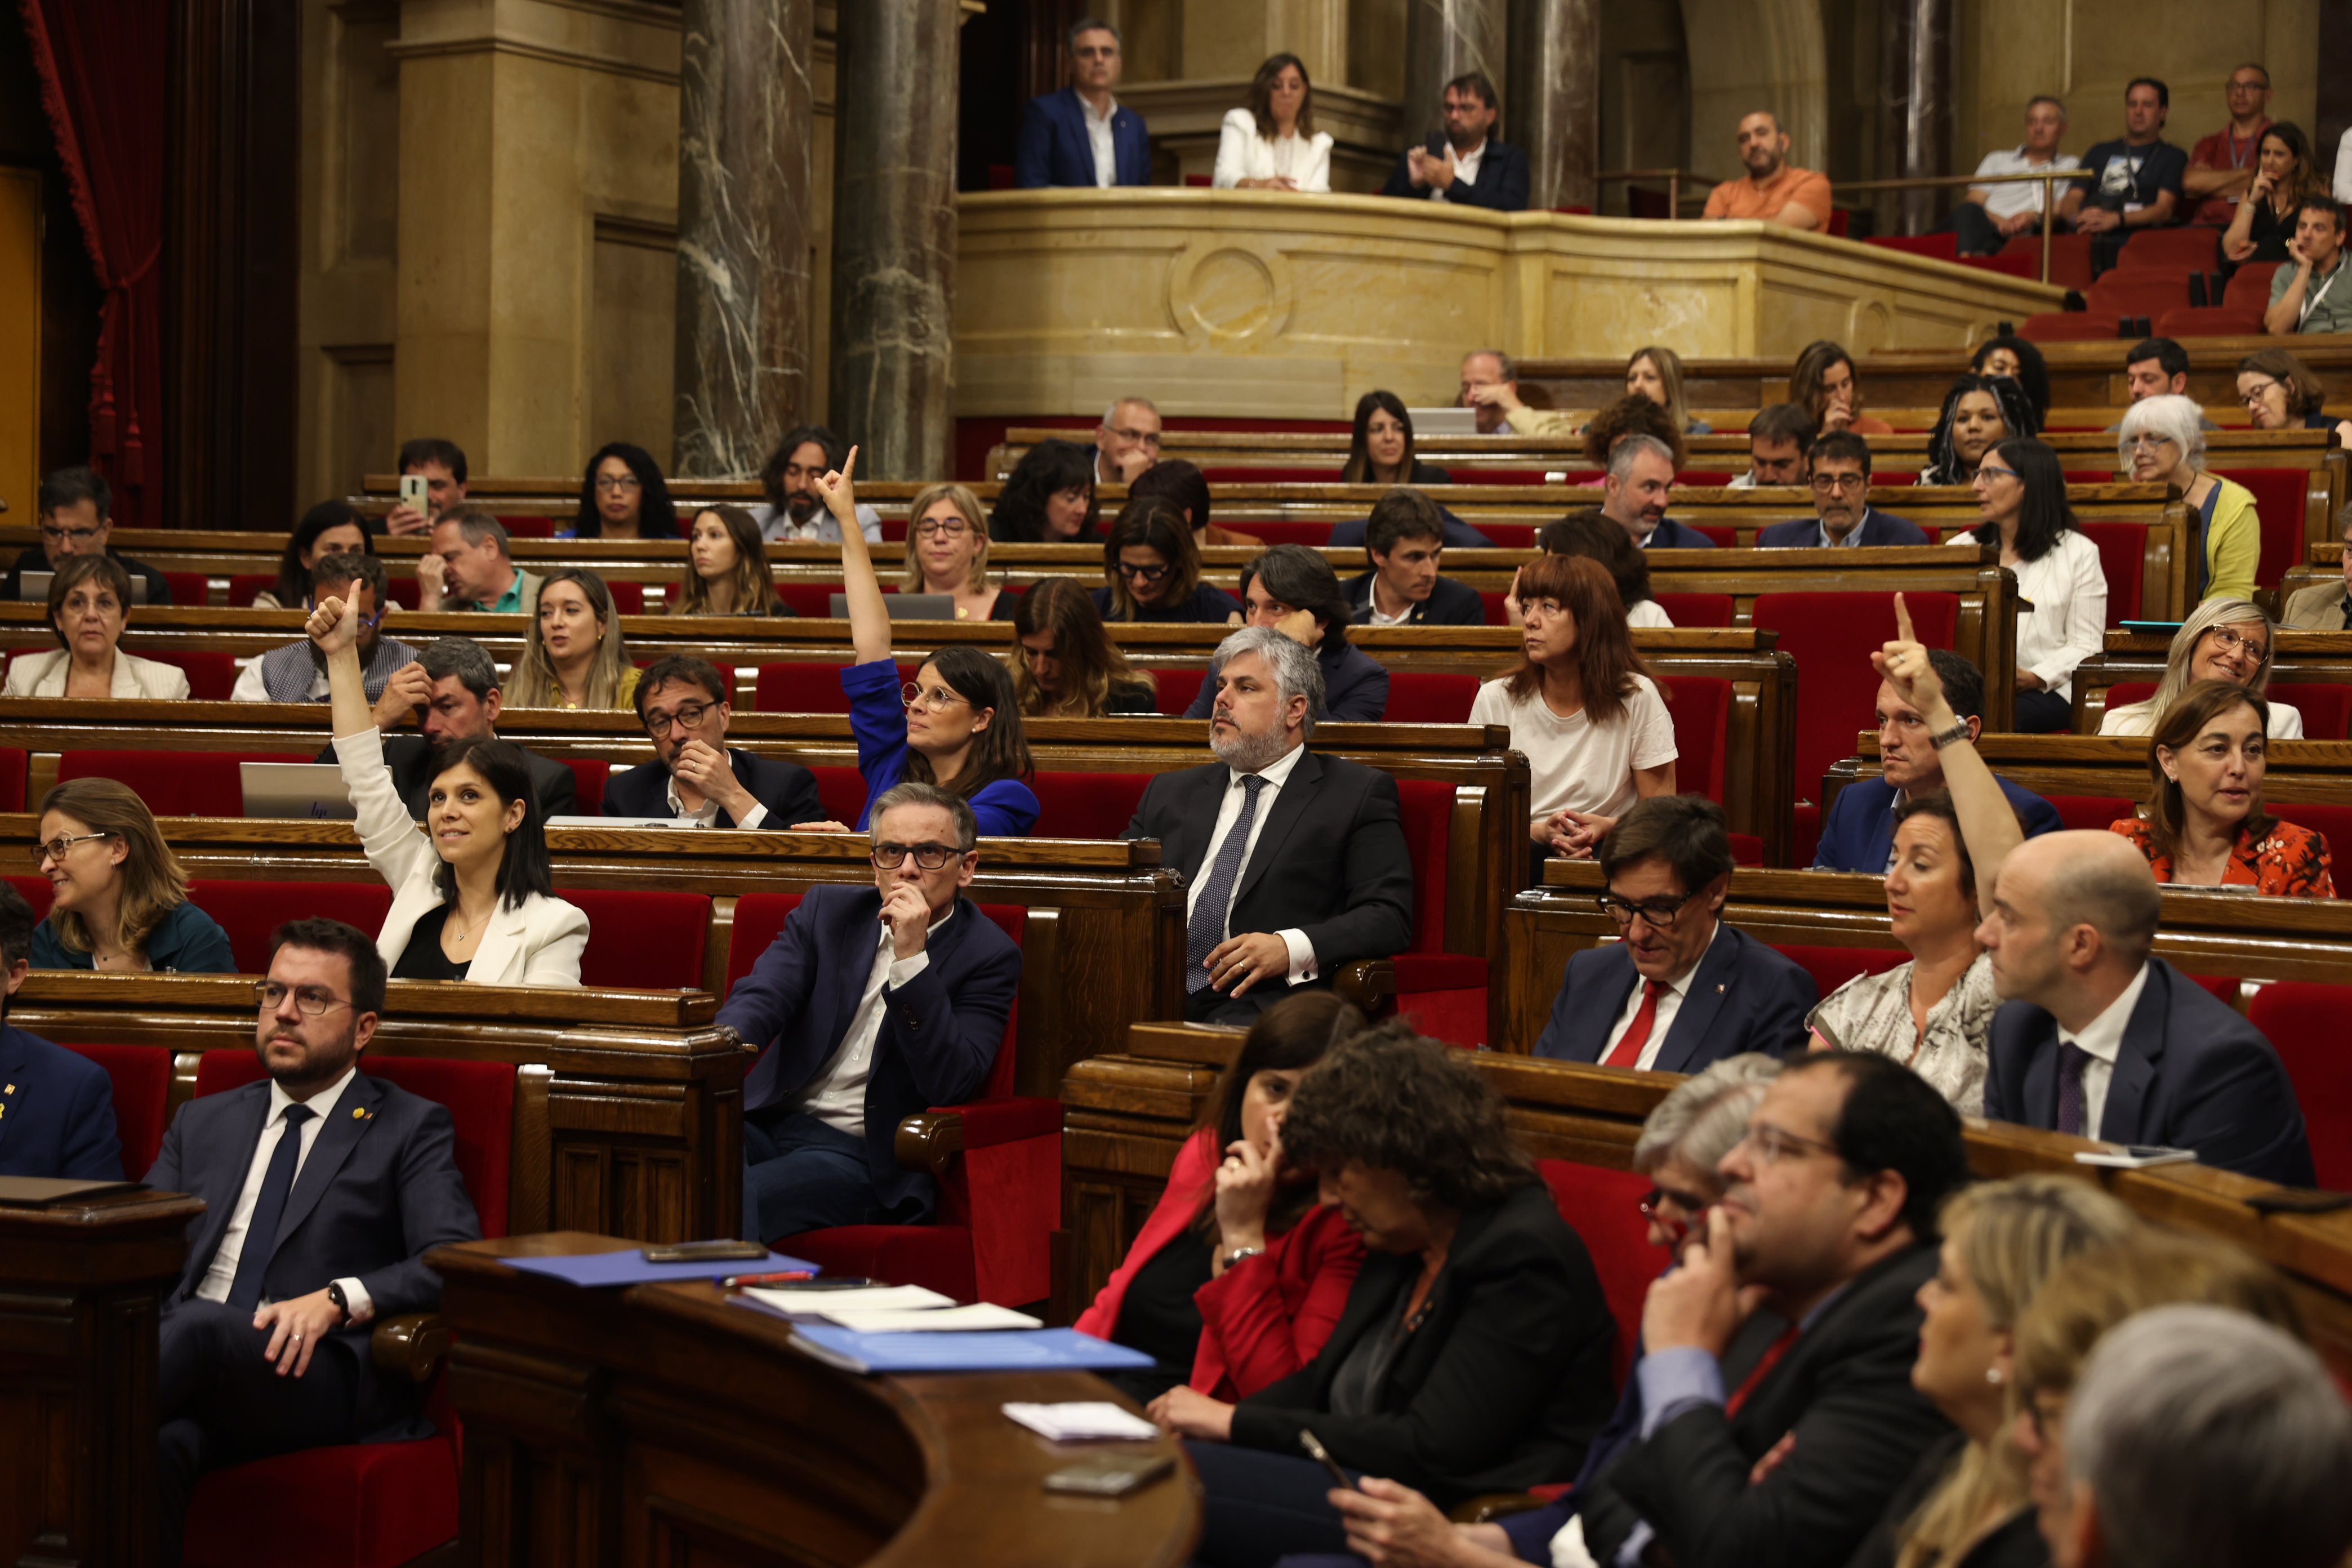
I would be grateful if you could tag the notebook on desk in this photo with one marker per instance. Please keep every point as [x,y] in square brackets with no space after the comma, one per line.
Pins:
[1009,1350]
[48,1192]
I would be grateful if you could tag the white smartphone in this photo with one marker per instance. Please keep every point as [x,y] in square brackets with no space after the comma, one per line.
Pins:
[414,494]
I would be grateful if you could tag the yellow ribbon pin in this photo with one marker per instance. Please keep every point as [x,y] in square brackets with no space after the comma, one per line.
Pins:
[358,1114]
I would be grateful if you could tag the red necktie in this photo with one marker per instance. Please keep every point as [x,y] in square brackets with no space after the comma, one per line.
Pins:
[1627,1051]
[1764,1363]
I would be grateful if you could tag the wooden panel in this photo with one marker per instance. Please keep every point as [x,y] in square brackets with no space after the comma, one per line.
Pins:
[20,344]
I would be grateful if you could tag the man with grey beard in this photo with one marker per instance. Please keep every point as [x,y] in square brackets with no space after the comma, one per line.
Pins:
[1294,864]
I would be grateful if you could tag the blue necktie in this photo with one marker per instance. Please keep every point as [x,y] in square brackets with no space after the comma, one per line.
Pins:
[2072,1060]
[261,1236]
[1207,927]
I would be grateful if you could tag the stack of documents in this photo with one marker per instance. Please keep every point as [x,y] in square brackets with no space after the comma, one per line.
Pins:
[905,1328]
[1081,1421]
[890,1310]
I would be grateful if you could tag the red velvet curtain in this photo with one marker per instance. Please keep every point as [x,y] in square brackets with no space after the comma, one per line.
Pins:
[104,82]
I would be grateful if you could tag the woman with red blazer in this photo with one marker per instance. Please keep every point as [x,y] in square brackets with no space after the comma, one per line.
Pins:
[1239,1274]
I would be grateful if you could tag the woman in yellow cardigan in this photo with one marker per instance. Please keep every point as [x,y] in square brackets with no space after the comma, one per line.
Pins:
[2162,440]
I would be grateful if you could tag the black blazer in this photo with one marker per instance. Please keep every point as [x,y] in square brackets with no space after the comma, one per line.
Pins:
[787,789]
[1450,604]
[1332,860]
[2192,1074]
[1743,997]
[376,1194]
[56,1112]
[411,759]
[1502,183]
[1843,1387]
[1499,1390]
[2016,1542]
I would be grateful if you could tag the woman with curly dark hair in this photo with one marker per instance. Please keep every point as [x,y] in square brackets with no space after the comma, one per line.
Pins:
[1474,1351]
[1049,498]
[1633,415]
[623,496]
[1977,412]
[2019,360]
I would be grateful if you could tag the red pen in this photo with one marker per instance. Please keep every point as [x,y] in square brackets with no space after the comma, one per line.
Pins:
[787,1277]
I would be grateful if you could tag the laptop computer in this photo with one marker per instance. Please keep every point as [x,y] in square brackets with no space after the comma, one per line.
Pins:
[905,606]
[1442,421]
[295,789]
[33,587]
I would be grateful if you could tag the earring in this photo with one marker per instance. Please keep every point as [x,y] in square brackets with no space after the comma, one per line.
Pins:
[1992,1375]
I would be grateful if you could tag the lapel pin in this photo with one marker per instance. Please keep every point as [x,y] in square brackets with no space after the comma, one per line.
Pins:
[12,1088]
[1718,991]
[357,1113]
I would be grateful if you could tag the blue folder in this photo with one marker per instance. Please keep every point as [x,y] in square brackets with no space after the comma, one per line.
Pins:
[629,1266]
[1002,1349]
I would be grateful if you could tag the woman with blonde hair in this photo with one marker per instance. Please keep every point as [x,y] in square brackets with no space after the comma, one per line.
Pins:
[2223,640]
[1967,1503]
[1270,142]
[727,572]
[118,899]
[1656,372]
[947,553]
[1064,664]
[574,656]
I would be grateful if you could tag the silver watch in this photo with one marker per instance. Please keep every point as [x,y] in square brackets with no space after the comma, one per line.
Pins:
[1238,1253]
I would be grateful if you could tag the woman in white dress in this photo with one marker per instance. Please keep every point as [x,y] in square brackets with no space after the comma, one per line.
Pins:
[1270,143]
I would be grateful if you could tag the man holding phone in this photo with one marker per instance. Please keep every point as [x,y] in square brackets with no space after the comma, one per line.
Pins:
[432,481]
[1462,164]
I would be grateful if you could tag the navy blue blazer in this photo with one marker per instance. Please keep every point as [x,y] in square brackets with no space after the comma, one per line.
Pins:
[1877,528]
[1355,688]
[1450,604]
[2193,1073]
[1459,535]
[1672,535]
[1744,997]
[56,1112]
[1502,185]
[941,1031]
[1053,149]
[787,789]
[1859,832]
[377,1193]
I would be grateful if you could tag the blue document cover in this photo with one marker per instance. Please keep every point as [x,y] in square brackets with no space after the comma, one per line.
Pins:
[1008,1350]
[629,1267]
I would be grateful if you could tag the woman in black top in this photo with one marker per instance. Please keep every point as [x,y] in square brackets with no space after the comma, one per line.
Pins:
[2265,221]
[1474,1354]
[1049,498]
[1151,569]
[1381,450]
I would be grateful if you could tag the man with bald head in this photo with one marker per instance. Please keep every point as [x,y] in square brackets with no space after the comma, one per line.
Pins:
[1773,189]
[2099,1039]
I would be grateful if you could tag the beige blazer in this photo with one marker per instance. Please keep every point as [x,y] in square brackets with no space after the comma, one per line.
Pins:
[538,943]
[2319,609]
[44,675]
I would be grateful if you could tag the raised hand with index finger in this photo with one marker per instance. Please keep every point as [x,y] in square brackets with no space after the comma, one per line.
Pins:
[835,490]
[1905,665]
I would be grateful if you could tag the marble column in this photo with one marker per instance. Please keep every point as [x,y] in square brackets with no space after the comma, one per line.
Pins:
[894,236]
[1915,69]
[743,218]
[1443,39]
[1553,99]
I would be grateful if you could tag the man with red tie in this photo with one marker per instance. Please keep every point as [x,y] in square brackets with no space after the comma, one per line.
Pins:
[1681,989]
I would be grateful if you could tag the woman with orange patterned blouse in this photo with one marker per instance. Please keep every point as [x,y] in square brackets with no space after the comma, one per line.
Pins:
[2204,825]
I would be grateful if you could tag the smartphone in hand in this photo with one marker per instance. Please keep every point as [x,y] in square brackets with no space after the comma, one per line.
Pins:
[1322,1455]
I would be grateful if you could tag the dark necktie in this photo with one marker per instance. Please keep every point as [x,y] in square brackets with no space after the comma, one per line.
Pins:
[1207,927]
[268,1208]
[2072,1060]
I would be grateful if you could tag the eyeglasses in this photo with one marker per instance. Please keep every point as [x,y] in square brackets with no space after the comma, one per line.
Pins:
[56,535]
[689,716]
[617,482]
[937,700]
[1986,472]
[1146,438]
[2254,399]
[2249,86]
[55,848]
[929,856]
[1825,483]
[1774,1145]
[1653,1209]
[308,1000]
[1149,573]
[942,528]
[2148,443]
[1660,912]
[2228,644]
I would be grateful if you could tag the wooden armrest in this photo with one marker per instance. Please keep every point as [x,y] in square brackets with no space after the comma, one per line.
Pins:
[929,1141]
[1368,983]
[1491,1506]
[410,1345]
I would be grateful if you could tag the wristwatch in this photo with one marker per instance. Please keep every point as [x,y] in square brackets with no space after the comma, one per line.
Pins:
[1238,1253]
[335,1294]
[1942,738]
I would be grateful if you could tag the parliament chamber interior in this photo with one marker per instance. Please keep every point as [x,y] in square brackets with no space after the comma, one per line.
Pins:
[1243,782]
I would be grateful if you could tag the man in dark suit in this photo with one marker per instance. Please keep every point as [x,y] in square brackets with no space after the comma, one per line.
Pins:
[453,689]
[1683,989]
[1839,468]
[2097,1038]
[1404,539]
[76,508]
[324,1189]
[1294,864]
[1636,491]
[682,702]
[57,1107]
[1080,136]
[1465,166]
[1858,832]
[870,1005]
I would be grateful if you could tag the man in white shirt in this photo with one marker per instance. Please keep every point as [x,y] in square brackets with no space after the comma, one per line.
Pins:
[263,1346]
[871,1005]
[1777,438]
[1127,443]
[1992,213]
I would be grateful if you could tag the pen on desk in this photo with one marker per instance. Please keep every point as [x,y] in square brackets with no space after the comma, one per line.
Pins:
[787,1277]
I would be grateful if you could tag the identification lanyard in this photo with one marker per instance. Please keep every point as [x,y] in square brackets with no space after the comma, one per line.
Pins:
[2311,301]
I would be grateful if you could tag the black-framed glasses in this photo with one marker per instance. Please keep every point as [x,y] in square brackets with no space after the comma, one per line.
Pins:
[56,535]
[1660,913]
[1148,573]
[1774,1145]
[58,847]
[1825,483]
[617,482]
[929,856]
[938,699]
[689,716]
[942,528]
[311,1001]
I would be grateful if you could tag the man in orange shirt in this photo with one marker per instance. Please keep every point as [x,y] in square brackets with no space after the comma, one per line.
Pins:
[1774,189]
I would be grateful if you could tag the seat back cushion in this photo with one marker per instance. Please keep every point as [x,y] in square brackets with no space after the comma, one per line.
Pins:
[1602,1206]
[1086,806]
[141,1078]
[251,912]
[642,940]
[2304,1021]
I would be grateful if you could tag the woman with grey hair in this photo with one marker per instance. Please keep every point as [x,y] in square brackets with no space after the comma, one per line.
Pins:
[1688,1133]
[2162,441]
[2223,640]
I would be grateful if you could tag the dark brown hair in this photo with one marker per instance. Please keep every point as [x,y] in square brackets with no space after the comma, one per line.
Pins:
[1593,535]
[1094,663]
[1291,1035]
[2307,393]
[1154,524]
[1398,1102]
[1359,469]
[1633,415]
[2177,730]
[1605,660]
[1815,361]
[1259,101]
[1688,832]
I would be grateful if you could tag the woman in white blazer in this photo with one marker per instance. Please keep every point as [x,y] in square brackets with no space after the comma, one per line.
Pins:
[89,603]
[472,895]
[1270,143]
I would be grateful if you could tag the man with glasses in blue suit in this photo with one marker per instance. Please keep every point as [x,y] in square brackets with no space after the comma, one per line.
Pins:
[1080,135]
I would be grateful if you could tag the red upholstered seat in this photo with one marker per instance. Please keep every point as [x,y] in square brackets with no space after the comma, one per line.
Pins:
[2092,812]
[840,789]
[2326,706]
[2024,267]
[1697,609]
[1832,967]
[1497,615]
[2278,504]
[806,686]
[1086,806]
[244,587]
[1603,1207]
[629,598]
[812,599]
[250,912]
[2170,249]
[642,940]
[141,1077]
[1722,534]
[1701,709]
[1314,535]
[1444,993]
[1422,698]
[2306,1022]
[364,1505]
[13,765]
[2122,548]
[176,784]
[529,527]
[2066,326]
[2249,287]
[2070,258]
[211,676]
[188,589]
[1936,246]
[588,776]
[2210,321]
[37,892]
[1509,535]
[1175,685]
[1832,637]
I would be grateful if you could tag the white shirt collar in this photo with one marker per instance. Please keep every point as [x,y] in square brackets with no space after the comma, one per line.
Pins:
[322,1102]
[1276,773]
[928,931]
[1104,117]
[708,814]
[2102,1037]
